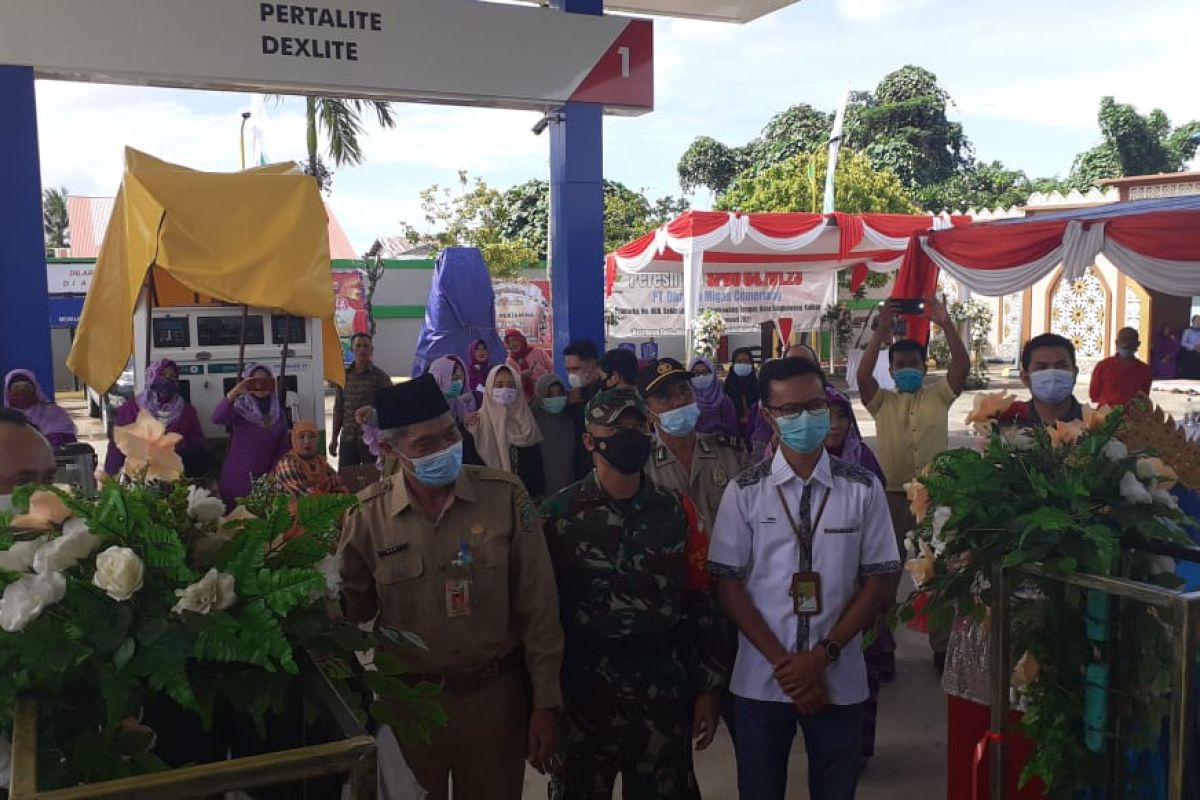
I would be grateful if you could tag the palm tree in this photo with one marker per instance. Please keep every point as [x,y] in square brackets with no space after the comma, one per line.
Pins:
[341,121]
[54,217]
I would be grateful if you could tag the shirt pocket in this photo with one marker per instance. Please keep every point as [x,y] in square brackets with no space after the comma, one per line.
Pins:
[403,586]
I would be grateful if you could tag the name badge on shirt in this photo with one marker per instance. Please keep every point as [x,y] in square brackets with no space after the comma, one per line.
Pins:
[458,597]
[806,594]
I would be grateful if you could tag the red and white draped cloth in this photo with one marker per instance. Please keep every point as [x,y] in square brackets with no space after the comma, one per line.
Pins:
[1155,242]
[717,241]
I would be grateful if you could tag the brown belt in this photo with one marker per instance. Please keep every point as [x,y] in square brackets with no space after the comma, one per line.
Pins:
[471,680]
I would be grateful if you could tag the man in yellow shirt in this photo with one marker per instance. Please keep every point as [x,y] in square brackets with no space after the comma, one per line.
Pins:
[911,422]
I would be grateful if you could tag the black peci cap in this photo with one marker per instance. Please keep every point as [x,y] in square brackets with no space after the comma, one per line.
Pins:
[409,402]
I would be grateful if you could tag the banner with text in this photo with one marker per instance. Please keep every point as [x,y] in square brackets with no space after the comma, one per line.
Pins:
[651,303]
[525,305]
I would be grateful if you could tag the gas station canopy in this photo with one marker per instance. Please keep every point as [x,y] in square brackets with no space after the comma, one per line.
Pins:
[715,10]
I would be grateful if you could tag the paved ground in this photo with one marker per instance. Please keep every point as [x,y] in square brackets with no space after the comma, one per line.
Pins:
[910,759]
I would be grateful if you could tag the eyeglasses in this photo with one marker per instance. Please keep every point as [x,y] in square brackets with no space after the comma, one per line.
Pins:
[794,409]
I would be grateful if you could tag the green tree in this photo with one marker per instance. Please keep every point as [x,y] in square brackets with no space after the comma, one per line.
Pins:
[798,185]
[711,164]
[525,214]
[472,214]
[902,126]
[1133,144]
[798,130]
[978,185]
[341,121]
[54,217]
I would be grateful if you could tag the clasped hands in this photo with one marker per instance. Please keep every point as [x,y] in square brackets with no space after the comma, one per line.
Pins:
[802,678]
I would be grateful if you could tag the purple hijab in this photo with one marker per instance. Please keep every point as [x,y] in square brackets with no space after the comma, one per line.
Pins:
[709,399]
[853,449]
[477,374]
[48,417]
[442,370]
[254,411]
[717,414]
[165,410]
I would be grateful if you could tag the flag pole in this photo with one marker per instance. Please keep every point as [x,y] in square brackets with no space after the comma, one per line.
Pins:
[835,143]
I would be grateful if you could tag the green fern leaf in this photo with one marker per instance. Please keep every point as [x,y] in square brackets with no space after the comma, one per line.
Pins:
[287,588]
[320,514]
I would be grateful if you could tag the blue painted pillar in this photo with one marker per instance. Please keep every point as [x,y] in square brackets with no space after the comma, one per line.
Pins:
[577,214]
[24,306]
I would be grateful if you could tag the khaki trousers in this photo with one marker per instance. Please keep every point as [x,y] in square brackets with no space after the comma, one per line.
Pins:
[483,747]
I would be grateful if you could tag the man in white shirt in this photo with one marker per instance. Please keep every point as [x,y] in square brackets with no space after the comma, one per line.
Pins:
[806,557]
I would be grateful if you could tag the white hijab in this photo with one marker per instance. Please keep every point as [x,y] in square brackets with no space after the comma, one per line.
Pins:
[501,427]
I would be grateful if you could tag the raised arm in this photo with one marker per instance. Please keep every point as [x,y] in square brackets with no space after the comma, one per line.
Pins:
[960,359]
[868,387]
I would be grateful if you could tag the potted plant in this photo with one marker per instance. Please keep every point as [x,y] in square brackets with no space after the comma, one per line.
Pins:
[1067,499]
[708,329]
[141,625]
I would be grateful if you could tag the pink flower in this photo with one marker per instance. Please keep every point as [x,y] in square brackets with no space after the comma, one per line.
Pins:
[149,450]
[1065,433]
[46,509]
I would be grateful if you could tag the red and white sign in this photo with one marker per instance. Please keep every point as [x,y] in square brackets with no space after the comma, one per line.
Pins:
[69,278]
[349,303]
[450,51]
[525,305]
[651,303]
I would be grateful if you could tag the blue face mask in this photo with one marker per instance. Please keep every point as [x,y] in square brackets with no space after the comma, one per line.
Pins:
[742,370]
[909,379]
[1052,385]
[554,405]
[440,468]
[454,390]
[679,421]
[702,382]
[804,432]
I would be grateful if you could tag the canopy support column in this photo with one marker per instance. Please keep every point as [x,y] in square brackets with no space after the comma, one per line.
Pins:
[577,214]
[693,279]
[24,300]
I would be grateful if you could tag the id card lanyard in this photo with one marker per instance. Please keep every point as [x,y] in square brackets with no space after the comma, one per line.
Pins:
[806,582]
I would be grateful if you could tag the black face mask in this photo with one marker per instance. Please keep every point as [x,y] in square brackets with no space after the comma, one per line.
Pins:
[627,450]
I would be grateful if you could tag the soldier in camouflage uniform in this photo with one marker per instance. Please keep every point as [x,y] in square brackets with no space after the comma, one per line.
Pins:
[642,664]
[695,464]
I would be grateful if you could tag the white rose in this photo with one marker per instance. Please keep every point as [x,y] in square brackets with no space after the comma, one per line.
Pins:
[119,572]
[941,515]
[1018,438]
[331,567]
[213,592]
[1116,450]
[1133,491]
[1165,498]
[26,598]
[65,551]
[19,557]
[202,506]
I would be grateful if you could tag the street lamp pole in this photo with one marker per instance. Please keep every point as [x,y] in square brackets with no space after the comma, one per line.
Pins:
[242,138]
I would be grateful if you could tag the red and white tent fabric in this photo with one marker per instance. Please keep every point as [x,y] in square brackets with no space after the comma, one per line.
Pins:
[715,241]
[1155,242]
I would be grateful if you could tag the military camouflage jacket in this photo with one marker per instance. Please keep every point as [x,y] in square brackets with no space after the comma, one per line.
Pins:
[634,571]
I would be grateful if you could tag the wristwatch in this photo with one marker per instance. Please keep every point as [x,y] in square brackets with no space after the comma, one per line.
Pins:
[833,650]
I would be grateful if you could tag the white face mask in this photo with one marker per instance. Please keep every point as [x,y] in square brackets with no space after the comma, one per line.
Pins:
[505,397]
[575,380]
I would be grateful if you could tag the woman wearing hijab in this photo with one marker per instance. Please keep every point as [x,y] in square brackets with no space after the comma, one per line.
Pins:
[845,442]
[162,400]
[304,470]
[742,388]
[479,364]
[451,376]
[23,393]
[558,433]
[528,362]
[1164,353]
[717,414]
[506,436]
[258,435]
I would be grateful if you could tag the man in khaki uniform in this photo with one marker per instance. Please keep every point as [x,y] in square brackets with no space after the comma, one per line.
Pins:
[695,464]
[454,554]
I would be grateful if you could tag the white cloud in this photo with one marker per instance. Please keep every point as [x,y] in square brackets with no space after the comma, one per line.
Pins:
[875,10]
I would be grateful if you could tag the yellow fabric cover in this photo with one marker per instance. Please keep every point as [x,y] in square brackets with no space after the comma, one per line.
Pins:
[257,237]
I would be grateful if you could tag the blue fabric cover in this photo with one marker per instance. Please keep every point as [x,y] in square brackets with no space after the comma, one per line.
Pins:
[461,308]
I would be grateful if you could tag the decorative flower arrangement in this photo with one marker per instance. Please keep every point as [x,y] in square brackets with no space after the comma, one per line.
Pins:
[1066,498]
[145,590]
[708,328]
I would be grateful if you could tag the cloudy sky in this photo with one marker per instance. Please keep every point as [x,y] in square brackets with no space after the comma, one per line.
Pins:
[1026,77]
